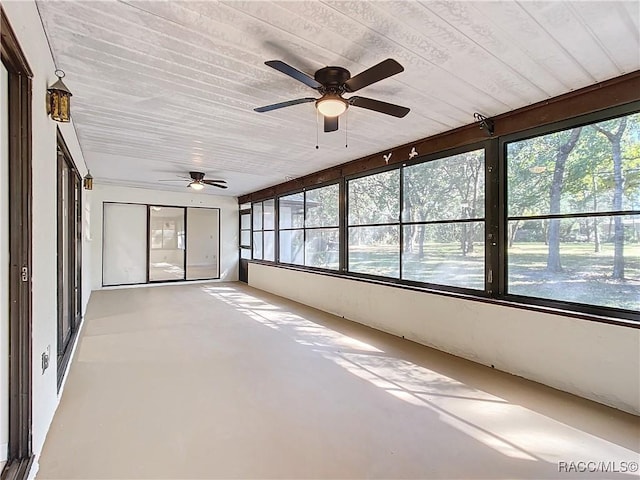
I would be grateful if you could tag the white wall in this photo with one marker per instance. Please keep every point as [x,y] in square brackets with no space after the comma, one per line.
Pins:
[228,221]
[594,360]
[24,19]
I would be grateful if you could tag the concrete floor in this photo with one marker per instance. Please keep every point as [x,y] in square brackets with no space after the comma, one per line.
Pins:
[221,380]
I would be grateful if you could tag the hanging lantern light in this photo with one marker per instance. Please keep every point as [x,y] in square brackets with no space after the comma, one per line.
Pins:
[88,181]
[59,100]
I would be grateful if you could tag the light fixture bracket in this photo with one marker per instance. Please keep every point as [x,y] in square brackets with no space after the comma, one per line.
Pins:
[485,123]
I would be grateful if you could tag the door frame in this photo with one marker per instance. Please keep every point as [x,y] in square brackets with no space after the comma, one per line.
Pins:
[20,452]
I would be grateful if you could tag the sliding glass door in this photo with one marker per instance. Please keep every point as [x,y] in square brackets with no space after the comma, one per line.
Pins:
[69,256]
[166,244]
[157,243]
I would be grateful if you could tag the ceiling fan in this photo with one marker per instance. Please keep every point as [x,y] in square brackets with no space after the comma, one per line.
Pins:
[332,83]
[197,181]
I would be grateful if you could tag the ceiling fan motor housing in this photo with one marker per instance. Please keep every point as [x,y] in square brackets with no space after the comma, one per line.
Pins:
[197,176]
[332,78]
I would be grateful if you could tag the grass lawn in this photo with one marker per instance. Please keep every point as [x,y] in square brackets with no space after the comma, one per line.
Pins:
[586,276]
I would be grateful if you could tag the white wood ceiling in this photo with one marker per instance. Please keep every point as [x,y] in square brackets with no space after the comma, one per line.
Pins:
[164,87]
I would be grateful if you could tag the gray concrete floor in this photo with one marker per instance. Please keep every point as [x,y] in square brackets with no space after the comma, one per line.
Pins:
[225,381]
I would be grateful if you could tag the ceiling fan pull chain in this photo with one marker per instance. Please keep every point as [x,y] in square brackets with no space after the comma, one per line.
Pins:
[317,130]
[346,129]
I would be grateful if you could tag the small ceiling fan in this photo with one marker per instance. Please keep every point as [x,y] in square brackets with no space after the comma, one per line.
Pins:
[197,181]
[332,83]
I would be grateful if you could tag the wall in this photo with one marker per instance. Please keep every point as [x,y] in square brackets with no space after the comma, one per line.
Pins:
[228,221]
[26,24]
[594,360]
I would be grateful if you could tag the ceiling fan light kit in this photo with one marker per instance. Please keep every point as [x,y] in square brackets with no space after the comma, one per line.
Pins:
[332,82]
[331,105]
[196,185]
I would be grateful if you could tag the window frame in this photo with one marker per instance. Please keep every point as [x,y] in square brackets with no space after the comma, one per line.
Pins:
[304,228]
[442,154]
[249,246]
[502,292]
[495,222]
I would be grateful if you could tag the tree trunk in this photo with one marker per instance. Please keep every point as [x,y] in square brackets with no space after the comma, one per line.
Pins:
[514,230]
[618,181]
[553,260]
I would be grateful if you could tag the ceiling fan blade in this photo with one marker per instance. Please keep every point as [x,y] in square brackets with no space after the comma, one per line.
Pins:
[330,124]
[378,72]
[378,106]
[210,182]
[171,180]
[293,73]
[275,106]
[215,183]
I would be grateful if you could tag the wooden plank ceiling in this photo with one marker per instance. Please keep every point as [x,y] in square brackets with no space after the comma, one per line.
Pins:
[164,87]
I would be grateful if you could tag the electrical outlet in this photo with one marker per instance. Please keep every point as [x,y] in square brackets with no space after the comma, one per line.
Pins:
[45,359]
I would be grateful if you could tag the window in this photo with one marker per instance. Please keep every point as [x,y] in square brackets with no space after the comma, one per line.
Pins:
[256,214]
[264,230]
[245,234]
[374,224]
[438,239]
[443,221]
[560,207]
[308,228]
[573,220]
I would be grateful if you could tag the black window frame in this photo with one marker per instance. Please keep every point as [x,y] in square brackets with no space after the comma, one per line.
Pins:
[487,146]
[502,266]
[495,221]
[304,227]
[241,246]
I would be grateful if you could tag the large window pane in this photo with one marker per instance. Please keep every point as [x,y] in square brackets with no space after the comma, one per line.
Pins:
[291,246]
[449,188]
[269,211]
[269,245]
[256,213]
[245,238]
[445,254]
[291,211]
[585,268]
[375,199]
[322,248]
[322,206]
[245,221]
[257,245]
[593,168]
[375,250]
[166,253]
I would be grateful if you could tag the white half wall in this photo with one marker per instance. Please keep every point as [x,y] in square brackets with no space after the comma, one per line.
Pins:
[25,21]
[594,360]
[228,221]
